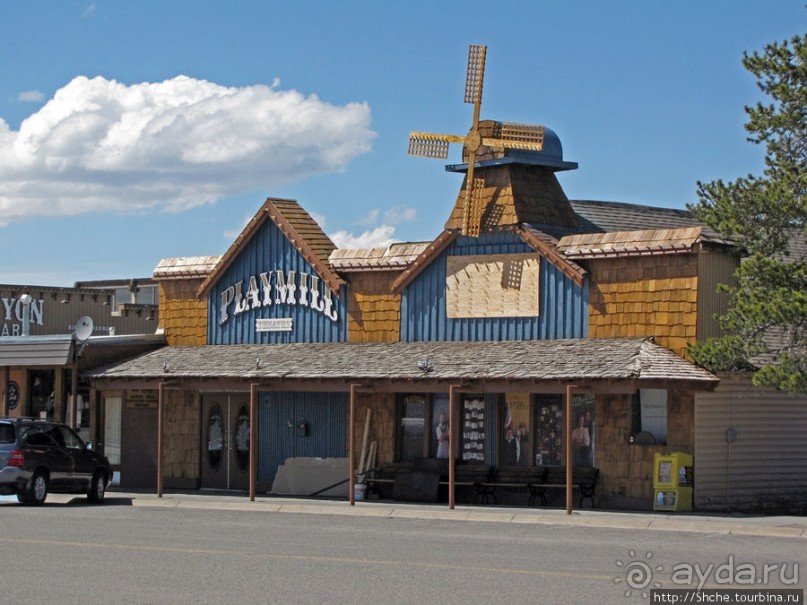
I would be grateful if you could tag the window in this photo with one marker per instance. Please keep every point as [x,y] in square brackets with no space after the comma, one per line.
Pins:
[411,428]
[649,416]
[548,430]
[41,392]
[423,428]
[516,440]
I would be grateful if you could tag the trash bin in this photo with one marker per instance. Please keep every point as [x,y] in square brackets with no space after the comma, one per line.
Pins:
[672,482]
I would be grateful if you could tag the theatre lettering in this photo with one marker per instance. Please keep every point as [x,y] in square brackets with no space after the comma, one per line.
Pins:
[278,288]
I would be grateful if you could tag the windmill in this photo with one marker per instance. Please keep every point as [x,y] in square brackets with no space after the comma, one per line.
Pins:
[508,135]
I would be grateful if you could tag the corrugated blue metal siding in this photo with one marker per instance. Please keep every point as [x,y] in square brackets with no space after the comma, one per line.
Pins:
[270,250]
[326,414]
[563,305]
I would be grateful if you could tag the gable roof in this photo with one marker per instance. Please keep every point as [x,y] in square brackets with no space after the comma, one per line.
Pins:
[548,247]
[440,243]
[299,228]
[540,242]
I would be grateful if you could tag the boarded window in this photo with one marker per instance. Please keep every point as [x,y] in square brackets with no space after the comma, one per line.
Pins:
[493,285]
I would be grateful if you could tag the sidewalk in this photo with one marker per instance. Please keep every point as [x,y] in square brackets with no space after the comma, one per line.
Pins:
[713,523]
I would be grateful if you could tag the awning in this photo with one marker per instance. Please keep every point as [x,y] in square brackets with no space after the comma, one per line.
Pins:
[36,350]
[603,364]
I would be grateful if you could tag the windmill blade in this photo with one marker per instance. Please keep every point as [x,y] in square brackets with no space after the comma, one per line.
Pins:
[475,74]
[509,144]
[476,208]
[521,133]
[428,148]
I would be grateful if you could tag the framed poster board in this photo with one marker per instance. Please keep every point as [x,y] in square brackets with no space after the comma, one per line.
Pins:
[474,430]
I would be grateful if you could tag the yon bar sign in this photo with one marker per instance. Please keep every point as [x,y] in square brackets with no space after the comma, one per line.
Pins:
[277,288]
[12,312]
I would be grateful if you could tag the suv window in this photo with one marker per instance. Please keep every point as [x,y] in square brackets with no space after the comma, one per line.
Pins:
[7,433]
[38,438]
[54,433]
[70,439]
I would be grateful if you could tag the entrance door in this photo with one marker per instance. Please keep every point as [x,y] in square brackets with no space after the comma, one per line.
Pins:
[225,442]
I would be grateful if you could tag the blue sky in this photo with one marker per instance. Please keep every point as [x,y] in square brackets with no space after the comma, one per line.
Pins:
[135,131]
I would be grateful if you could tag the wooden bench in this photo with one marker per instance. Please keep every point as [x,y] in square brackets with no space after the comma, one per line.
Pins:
[472,476]
[528,478]
[383,477]
[584,479]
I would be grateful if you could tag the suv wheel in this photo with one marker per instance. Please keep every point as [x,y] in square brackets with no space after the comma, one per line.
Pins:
[38,492]
[97,488]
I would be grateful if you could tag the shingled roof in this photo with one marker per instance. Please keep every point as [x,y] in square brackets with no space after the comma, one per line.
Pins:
[639,361]
[394,257]
[301,230]
[600,217]
[630,243]
[184,267]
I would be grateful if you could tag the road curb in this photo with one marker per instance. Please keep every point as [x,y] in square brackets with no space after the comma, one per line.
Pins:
[605,520]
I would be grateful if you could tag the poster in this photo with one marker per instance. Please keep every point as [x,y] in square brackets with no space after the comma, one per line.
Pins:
[474,429]
[516,442]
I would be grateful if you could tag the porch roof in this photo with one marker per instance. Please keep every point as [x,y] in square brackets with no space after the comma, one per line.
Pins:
[623,363]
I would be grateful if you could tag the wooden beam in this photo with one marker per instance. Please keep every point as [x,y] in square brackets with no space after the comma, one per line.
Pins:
[351,454]
[253,439]
[452,399]
[160,402]
[569,461]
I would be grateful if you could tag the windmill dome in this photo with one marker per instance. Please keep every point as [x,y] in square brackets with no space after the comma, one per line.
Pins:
[551,156]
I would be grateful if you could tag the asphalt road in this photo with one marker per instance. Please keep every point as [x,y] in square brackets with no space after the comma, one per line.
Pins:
[76,553]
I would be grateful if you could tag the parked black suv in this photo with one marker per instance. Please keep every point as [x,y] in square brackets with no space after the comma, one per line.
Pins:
[38,456]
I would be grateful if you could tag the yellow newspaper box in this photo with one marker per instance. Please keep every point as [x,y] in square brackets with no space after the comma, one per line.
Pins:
[672,482]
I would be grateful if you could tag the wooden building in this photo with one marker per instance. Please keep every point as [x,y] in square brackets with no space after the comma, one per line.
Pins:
[550,293]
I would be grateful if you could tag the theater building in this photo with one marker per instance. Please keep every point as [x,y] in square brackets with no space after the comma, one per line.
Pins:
[287,351]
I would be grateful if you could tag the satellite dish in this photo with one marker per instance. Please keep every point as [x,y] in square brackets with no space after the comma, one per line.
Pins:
[84,328]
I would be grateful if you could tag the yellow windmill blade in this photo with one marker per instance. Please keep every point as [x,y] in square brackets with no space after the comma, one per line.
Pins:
[427,147]
[516,136]
[475,73]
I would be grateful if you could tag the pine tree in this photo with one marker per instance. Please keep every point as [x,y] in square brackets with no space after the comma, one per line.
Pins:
[765,329]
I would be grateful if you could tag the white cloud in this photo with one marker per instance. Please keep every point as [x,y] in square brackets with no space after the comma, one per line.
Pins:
[370,219]
[399,214]
[101,146]
[231,234]
[319,219]
[377,238]
[89,11]
[30,96]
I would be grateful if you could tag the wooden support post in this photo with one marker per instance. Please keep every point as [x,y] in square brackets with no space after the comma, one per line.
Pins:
[160,402]
[569,460]
[6,388]
[74,393]
[351,454]
[452,400]
[253,441]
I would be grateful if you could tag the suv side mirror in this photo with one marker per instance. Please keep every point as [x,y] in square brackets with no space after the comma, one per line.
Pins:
[89,445]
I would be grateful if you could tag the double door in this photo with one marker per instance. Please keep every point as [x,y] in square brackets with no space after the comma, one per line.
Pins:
[225,441]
